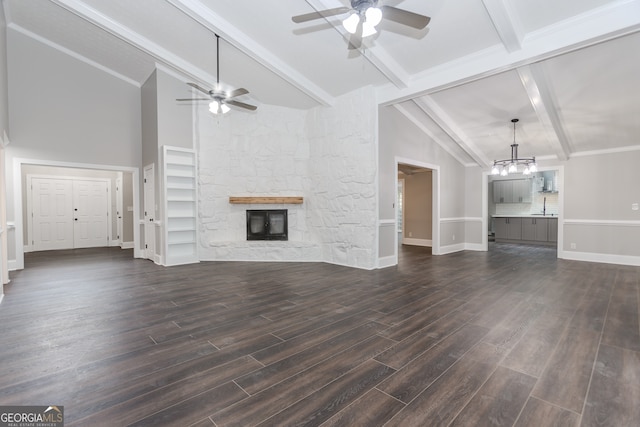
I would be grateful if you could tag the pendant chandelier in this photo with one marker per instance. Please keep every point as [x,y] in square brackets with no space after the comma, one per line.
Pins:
[513,165]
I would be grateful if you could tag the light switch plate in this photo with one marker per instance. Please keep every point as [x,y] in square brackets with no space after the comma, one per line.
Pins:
[634,206]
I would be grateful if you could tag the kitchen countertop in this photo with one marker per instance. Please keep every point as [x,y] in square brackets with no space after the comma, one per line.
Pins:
[526,216]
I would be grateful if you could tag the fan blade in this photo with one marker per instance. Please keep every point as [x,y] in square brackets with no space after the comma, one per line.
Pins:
[201,89]
[240,104]
[194,99]
[355,41]
[320,14]
[405,17]
[237,92]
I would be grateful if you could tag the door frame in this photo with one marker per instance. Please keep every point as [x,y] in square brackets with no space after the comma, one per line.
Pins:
[18,197]
[28,247]
[149,223]
[435,202]
[119,207]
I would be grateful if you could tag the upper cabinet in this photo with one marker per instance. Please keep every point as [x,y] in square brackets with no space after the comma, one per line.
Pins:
[512,191]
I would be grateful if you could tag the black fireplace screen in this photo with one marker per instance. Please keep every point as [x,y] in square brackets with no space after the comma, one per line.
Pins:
[267,224]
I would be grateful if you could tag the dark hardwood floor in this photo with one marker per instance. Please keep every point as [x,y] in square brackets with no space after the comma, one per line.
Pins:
[510,337]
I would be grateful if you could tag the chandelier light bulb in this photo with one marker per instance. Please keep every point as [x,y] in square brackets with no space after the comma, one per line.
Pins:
[495,170]
[513,168]
[504,172]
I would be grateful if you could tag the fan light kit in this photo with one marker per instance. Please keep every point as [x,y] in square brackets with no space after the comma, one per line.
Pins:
[507,166]
[363,17]
[372,17]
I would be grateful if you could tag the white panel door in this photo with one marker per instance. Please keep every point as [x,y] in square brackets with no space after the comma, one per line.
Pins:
[90,210]
[52,214]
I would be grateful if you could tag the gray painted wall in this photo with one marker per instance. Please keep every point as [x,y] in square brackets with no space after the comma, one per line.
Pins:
[599,192]
[4,100]
[400,138]
[63,110]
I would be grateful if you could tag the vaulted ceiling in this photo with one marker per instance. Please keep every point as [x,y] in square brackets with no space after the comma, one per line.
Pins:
[569,70]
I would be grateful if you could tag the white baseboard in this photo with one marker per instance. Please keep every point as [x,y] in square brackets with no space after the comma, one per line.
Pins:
[603,258]
[12,265]
[452,248]
[417,242]
[474,247]
[388,261]
[126,245]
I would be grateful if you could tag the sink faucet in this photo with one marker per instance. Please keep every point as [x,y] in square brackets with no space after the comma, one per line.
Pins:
[544,207]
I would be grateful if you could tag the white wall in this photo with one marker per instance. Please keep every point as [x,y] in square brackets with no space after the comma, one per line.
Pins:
[344,174]
[326,155]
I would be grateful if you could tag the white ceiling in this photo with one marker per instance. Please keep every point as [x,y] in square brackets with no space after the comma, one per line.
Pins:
[569,70]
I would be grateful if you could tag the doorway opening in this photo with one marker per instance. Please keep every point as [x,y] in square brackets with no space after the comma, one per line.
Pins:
[526,210]
[416,215]
[416,205]
[125,235]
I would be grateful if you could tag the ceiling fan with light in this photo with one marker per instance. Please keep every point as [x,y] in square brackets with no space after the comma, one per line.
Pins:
[363,17]
[220,100]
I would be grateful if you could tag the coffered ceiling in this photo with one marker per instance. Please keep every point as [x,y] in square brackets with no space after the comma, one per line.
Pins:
[569,70]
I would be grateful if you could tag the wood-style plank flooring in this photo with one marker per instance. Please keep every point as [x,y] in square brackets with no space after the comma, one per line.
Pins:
[509,337]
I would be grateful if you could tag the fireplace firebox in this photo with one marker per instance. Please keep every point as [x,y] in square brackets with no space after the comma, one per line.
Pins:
[268,224]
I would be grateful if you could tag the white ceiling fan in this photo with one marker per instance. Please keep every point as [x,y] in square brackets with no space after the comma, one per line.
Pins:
[219,99]
[363,17]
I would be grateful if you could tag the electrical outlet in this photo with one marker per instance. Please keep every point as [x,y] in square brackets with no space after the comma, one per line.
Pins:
[410,234]
[573,246]
[634,206]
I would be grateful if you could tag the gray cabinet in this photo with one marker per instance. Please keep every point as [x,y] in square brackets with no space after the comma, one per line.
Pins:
[508,228]
[512,191]
[526,229]
[535,229]
[553,230]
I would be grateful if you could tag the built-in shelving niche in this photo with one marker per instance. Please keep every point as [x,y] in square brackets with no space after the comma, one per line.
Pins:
[181,225]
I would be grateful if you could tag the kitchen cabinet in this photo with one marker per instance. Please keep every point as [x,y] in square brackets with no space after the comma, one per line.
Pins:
[526,229]
[508,228]
[552,230]
[535,229]
[512,191]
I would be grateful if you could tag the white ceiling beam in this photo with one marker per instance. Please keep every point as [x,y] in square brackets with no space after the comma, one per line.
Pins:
[131,37]
[543,103]
[449,126]
[215,23]
[506,23]
[418,122]
[375,55]
[608,22]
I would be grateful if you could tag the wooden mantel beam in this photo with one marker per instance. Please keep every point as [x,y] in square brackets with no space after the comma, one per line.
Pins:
[294,200]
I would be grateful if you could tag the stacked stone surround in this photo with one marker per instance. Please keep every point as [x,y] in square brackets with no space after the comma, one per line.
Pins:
[326,155]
